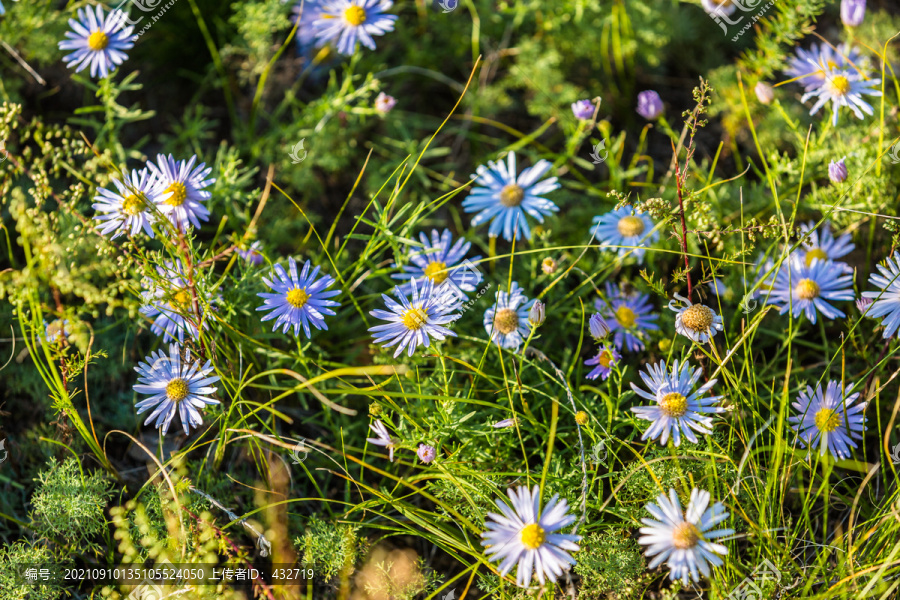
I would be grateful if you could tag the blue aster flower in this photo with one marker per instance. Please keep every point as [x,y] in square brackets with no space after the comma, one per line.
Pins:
[128,209]
[349,21]
[299,300]
[174,386]
[811,67]
[185,186]
[844,88]
[413,321]
[443,262]
[605,359]
[170,305]
[507,320]
[98,39]
[822,245]
[678,409]
[886,302]
[696,322]
[830,421]
[316,60]
[683,539]
[626,231]
[808,289]
[506,200]
[629,317]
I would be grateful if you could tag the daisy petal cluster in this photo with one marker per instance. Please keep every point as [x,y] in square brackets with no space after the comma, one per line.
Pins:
[629,317]
[696,322]
[98,40]
[298,300]
[413,321]
[186,186]
[684,539]
[679,409]
[507,199]
[443,261]
[174,386]
[170,305]
[886,301]
[834,76]
[507,321]
[625,230]
[528,537]
[822,245]
[809,289]
[346,22]
[829,421]
[128,210]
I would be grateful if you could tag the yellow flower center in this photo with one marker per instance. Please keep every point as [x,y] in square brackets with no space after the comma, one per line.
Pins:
[177,390]
[415,318]
[355,15]
[840,85]
[511,195]
[98,41]
[181,299]
[685,535]
[625,316]
[179,194]
[807,289]
[506,320]
[630,226]
[827,420]
[533,536]
[297,297]
[133,205]
[673,404]
[814,254]
[697,317]
[437,272]
[604,358]
[581,418]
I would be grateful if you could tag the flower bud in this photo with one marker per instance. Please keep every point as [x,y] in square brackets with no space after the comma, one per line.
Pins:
[853,12]
[583,109]
[426,453]
[548,266]
[581,418]
[599,328]
[764,92]
[837,171]
[537,314]
[650,105]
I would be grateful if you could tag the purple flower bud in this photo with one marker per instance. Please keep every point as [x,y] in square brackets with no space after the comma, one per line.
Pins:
[537,314]
[426,453]
[764,92]
[583,109]
[853,12]
[384,103]
[504,423]
[650,105]
[599,328]
[837,171]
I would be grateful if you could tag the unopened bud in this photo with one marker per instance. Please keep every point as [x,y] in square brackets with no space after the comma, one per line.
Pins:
[548,266]
[537,314]
[599,328]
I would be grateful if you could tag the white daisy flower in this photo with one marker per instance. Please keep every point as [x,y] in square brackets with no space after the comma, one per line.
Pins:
[679,409]
[526,536]
[683,539]
[696,322]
